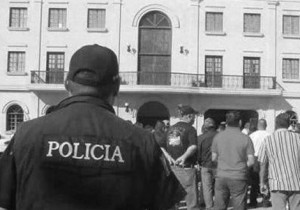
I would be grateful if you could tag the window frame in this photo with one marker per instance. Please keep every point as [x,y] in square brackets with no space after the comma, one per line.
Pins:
[96,29]
[252,33]
[12,126]
[63,21]
[20,61]
[214,31]
[214,78]
[290,59]
[55,75]
[21,18]
[290,34]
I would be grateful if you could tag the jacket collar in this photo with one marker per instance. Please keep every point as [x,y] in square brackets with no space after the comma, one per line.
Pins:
[84,99]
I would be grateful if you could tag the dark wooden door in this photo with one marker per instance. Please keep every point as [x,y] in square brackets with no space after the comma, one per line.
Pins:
[213,71]
[154,55]
[55,67]
[251,72]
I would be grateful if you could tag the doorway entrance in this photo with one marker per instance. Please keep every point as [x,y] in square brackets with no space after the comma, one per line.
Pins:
[219,115]
[150,112]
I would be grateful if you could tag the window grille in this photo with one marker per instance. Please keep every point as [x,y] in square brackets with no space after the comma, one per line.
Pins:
[252,23]
[18,18]
[291,25]
[16,62]
[290,68]
[57,18]
[214,22]
[15,115]
[96,18]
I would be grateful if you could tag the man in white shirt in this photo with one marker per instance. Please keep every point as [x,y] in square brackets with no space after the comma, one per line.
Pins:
[257,138]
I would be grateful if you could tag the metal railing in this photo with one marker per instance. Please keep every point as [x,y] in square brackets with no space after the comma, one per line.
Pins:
[48,77]
[173,79]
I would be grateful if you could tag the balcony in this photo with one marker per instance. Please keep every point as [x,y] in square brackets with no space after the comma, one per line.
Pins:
[157,81]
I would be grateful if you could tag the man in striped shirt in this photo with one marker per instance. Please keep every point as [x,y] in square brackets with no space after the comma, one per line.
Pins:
[280,154]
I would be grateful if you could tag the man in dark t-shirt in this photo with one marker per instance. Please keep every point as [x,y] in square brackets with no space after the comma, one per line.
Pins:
[208,167]
[180,149]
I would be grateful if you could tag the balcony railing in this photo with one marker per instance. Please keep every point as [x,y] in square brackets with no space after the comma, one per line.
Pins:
[48,77]
[173,79]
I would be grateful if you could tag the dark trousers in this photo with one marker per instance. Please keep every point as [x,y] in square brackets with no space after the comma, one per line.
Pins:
[226,187]
[187,178]
[254,183]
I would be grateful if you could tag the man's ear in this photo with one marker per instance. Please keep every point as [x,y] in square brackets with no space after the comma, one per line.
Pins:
[116,86]
[66,83]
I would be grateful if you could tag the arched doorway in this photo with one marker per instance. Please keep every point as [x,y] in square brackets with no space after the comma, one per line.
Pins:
[150,112]
[219,115]
[154,54]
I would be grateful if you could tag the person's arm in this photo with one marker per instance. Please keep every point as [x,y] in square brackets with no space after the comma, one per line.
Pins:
[250,161]
[214,157]
[250,153]
[214,149]
[262,174]
[189,152]
[263,160]
[2,208]
[167,155]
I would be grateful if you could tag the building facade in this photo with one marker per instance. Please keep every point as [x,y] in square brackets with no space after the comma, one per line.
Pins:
[215,55]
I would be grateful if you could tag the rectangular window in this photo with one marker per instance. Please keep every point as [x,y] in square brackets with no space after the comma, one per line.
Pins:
[251,72]
[57,18]
[291,25]
[18,18]
[55,67]
[213,71]
[16,62]
[252,23]
[290,68]
[96,18]
[214,22]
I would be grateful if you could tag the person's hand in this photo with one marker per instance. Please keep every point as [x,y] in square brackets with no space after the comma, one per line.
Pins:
[170,159]
[264,189]
[180,161]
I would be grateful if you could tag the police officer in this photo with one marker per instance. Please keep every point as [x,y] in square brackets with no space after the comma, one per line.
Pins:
[81,155]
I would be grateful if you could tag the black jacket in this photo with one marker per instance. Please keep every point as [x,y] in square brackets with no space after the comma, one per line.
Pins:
[82,156]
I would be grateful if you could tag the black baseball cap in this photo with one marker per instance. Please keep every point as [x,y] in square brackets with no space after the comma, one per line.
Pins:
[186,109]
[101,61]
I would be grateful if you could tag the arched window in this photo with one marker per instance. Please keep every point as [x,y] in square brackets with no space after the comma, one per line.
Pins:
[14,116]
[155,42]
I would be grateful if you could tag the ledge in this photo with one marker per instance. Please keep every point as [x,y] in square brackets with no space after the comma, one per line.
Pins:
[58,29]
[97,30]
[286,36]
[199,91]
[18,29]
[215,33]
[16,74]
[291,80]
[248,34]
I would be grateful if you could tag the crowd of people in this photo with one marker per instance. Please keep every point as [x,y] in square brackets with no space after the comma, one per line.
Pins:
[81,156]
[233,162]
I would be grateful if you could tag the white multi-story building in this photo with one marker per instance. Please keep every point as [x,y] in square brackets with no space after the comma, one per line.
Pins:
[215,55]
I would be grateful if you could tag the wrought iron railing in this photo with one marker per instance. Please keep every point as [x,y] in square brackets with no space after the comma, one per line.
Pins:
[173,79]
[48,77]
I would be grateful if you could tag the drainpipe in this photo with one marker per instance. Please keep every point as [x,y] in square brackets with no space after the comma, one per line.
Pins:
[198,38]
[276,39]
[119,46]
[40,51]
